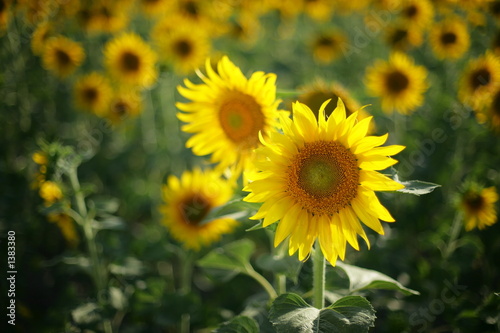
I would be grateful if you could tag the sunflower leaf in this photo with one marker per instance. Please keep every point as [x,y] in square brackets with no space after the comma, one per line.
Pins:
[239,324]
[234,256]
[290,313]
[416,187]
[364,279]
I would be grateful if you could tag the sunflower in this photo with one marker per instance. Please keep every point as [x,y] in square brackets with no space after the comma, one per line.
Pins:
[403,37]
[50,192]
[227,113]
[154,7]
[418,13]
[313,95]
[185,48]
[399,83]
[318,178]
[109,16]
[479,207]
[4,15]
[491,112]
[189,200]
[93,93]
[124,104]
[328,46]
[40,36]
[494,9]
[131,60]
[319,10]
[449,39]
[62,56]
[479,80]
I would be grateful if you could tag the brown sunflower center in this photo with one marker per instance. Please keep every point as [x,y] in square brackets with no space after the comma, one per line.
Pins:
[323,177]
[396,82]
[398,36]
[193,209]
[326,41]
[448,38]
[63,58]
[191,9]
[183,48]
[241,119]
[120,108]
[474,201]
[480,77]
[90,95]
[495,105]
[411,11]
[130,61]
[495,8]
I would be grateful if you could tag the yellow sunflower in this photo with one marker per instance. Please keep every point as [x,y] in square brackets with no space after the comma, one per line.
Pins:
[318,179]
[449,39]
[491,112]
[93,93]
[319,10]
[154,7]
[131,60]
[315,94]
[399,83]
[186,48]
[418,13]
[62,56]
[189,200]
[50,192]
[4,15]
[479,207]
[40,36]
[328,46]
[402,37]
[227,112]
[124,104]
[479,80]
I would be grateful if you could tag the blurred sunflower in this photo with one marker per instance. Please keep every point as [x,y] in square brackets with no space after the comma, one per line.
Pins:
[319,10]
[478,205]
[449,39]
[348,7]
[491,112]
[318,178]
[67,227]
[131,60]
[494,9]
[50,192]
[186,48]
[418,13]
[92,93]
[315,94]
[328,46]
[387,4]
[108,16]
[399,83]
[479,80]
[402,37]
[189,200]
[40,36]
[227,113]
[62,56]
[4,15]
[154,7]
[124,104]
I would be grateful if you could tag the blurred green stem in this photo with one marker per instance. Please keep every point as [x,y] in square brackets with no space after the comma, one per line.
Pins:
[281,284]
[262,281]
[185,287]
[97,272]
[454,232]
[318,278]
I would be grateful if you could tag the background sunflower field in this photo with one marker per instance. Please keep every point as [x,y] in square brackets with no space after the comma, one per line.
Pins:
[93,151]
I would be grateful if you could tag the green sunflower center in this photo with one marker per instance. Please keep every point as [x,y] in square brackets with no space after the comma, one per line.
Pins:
[480,77]
[63,58]
[448,38]
[396,82]
[241,119]
[183,48]
[130,62]
[323,177]
[194,208]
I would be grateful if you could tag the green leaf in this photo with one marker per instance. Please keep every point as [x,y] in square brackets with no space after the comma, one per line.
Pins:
[282,264]
[117,298]
[362,279]
[239,324]
[290,313]
[86,313]
[235,209]
[130,267]
[416,187]
[105,204]
[234,256]
[108,222]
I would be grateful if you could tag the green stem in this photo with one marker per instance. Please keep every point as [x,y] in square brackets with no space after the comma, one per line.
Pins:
[454,232]
[281,284]
[185,288]
[97,273]
[318,278]
[262,281]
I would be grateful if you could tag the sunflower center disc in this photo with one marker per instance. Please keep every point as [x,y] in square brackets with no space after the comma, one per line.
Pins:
[193,209]
[130,62]
[241,119]
[474,201]
[479,78]
[90,95]
[397,82]
[448,38]
[495,105]
[323,177]
[183,48]
[63,58]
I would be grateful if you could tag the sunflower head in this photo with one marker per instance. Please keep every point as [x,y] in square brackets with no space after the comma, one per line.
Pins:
[399,83]
[93,93]
[318,179]
[62,56]
[449,39]
[402,37]
[478,205]
[328,46]
[50,192]
[227,112]
[418,13]
[187,202]
[124,104]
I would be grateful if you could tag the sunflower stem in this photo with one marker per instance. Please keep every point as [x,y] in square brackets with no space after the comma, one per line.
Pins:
[185,287]
[263,282]
[318,278]
[454,232]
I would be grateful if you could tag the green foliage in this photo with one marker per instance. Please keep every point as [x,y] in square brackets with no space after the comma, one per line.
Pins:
[290,313]
[239,324]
